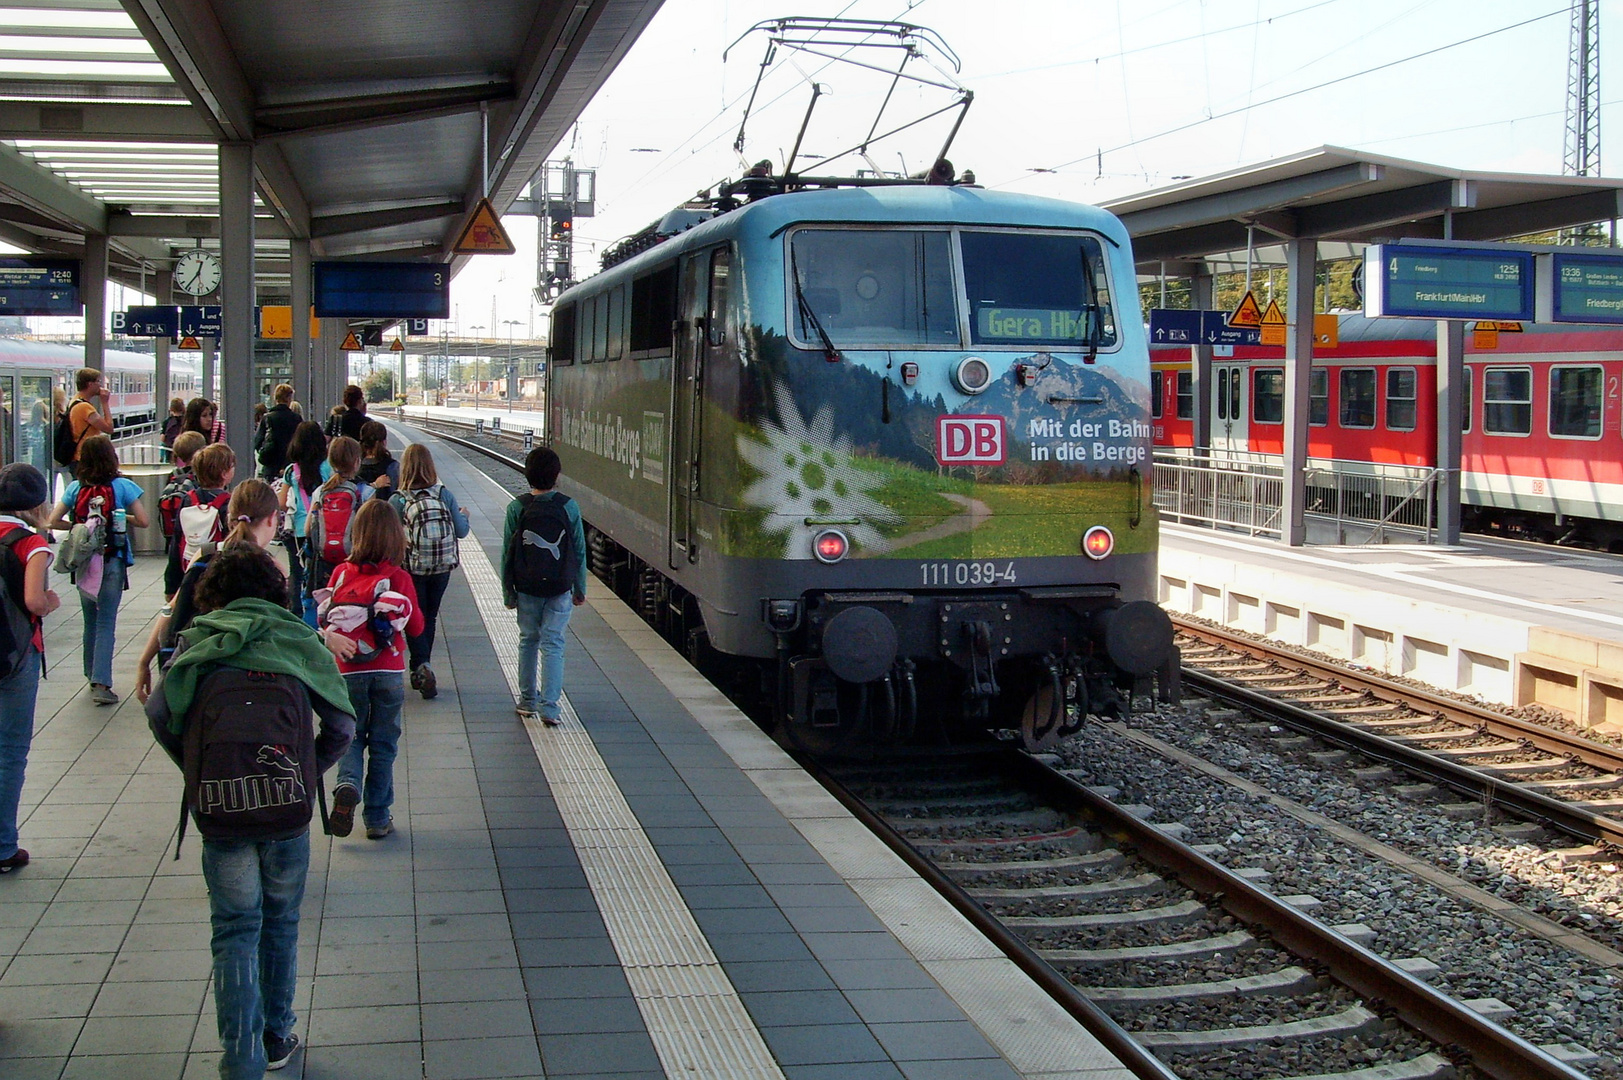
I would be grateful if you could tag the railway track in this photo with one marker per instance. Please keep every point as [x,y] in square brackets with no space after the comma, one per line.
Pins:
[1555,778]
[1182,967]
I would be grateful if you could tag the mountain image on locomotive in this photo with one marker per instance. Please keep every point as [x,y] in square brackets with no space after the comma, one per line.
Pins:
[885,446]
[1542,432]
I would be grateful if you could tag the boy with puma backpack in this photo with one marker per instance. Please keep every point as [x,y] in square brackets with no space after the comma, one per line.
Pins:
[234,712]
[544,578]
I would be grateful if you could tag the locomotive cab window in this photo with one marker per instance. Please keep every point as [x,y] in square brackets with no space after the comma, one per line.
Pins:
[1357,397]
[1030,290]
[653,309]
[871,287]
[1318,398]
[1575,402]
[1400,399]
[561,351]
[1507,401]
[1158,387]
[1186,395]
[1268,395]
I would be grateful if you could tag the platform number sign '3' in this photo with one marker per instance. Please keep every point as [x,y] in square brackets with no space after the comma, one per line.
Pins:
[969,440]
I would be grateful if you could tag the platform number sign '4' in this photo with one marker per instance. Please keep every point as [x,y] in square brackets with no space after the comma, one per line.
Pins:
[969,440]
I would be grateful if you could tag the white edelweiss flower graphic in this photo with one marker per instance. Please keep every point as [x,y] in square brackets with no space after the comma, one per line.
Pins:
[806,472]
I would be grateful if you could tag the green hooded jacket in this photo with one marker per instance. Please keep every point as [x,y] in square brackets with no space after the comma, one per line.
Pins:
[255,635]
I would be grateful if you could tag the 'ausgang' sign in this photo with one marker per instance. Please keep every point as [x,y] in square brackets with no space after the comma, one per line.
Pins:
[969,440]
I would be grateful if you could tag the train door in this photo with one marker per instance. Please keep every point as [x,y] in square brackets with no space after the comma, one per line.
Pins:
[702,310]
[1229,431]
[8,417]
[36,419]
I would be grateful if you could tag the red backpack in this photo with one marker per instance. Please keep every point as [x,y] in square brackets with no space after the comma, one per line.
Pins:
[331,520]
[179,484]
[86,506]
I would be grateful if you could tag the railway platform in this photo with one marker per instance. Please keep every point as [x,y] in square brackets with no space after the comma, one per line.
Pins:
[1510,622]
[652,889]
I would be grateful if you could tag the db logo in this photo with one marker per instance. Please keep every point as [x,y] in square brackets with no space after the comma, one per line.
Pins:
[969,440]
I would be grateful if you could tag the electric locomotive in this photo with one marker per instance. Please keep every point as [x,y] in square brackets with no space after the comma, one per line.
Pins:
[889,442]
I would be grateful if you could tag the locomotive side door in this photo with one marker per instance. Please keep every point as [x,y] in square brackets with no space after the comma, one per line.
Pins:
[701,333]
[1230,408]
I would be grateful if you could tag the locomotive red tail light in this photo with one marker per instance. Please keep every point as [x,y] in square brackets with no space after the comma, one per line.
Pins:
[1098,542]
[830,546]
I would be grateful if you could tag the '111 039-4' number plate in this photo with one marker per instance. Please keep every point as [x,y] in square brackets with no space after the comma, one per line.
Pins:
[965,573]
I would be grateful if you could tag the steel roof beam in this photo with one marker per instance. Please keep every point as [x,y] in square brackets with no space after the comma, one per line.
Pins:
[325,116]
[120,223]
[1498,222]
[1190,243]
[39,190]
[1247,202]
[93,121]
[346,224]
[1358,216]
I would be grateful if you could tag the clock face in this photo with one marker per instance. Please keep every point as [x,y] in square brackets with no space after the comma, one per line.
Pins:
[197,272]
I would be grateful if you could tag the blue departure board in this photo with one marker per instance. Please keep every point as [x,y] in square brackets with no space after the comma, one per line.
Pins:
[1424,282]
[382,290]
[1588,288]
[30,286]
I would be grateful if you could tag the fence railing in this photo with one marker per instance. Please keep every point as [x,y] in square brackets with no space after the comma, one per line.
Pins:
[1355,502]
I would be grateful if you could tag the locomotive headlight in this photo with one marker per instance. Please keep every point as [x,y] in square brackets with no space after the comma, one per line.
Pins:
[972,375]
[1098,542]
[830,546]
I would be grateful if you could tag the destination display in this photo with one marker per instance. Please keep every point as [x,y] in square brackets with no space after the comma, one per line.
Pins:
[1030,324]
[30,286]
[1424,282]
[382,290]
[1588,288]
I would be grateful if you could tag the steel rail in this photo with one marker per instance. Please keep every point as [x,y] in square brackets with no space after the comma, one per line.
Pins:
[1095,1020]
[1462,1032]
[1560,743]
[1564,816]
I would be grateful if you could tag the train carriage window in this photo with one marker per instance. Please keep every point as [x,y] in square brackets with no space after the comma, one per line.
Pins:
[1158,387]
[617,317]
[878,287]
[562,349]
[653,309]
[1318,398]
[1400,399]
[1357,397]
[1507,401]
[1467,407]
[1186,395]
[1031,290]
[1575,402]
[600,328]
[1268,395]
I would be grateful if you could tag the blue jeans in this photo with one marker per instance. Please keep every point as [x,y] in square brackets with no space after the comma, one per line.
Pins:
[101,620]
[542,621]
[255,888]
[377,697]
[17,692]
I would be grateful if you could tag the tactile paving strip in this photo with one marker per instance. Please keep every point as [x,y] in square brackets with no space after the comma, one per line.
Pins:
[695,1018]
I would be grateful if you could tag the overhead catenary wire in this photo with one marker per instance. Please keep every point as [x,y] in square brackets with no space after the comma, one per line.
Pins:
[1134,142]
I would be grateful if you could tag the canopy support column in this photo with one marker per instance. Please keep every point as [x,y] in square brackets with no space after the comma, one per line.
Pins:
[1301,263]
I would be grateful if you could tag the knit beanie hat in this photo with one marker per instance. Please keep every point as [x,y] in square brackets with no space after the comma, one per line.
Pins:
[22,487]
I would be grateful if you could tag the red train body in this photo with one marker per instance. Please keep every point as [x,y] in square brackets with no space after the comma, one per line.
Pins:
[1543,435]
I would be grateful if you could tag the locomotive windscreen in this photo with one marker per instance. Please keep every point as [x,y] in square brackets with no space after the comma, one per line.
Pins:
[876,286]
[1031,289]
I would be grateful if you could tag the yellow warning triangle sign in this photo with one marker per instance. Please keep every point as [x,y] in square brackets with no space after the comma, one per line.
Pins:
[397,345]
[1248,313]
[1501,327]
[351,343]
[1273,316]
[483,234]
[188,342]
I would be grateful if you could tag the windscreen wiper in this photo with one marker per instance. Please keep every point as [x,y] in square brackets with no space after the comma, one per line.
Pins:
[1090,288]
[807,315]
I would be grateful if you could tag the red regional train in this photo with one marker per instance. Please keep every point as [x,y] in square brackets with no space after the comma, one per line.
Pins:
[1543,439]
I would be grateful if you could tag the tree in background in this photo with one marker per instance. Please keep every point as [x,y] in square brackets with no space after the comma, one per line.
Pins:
[379,385]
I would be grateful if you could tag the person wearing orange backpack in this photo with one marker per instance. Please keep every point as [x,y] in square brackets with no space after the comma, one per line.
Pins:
[25,557]
[101,492]
[371,601]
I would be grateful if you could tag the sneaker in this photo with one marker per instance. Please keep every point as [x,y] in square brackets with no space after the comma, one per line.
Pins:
[378,832]
[426,682]
[526,711]
[102,695]
[344,800]
[550,721]
[17,860]
[417,677]
[279,1051]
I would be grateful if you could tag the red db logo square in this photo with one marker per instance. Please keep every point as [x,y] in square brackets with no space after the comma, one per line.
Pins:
[969,440]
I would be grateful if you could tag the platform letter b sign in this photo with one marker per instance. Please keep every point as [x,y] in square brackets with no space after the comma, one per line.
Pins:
[969,440]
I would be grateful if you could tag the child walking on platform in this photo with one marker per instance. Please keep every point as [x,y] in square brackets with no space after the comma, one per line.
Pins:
[544,578]
[370,600]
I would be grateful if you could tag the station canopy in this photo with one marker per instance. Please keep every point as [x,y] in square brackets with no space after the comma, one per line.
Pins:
[367,118]
[1345,199]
